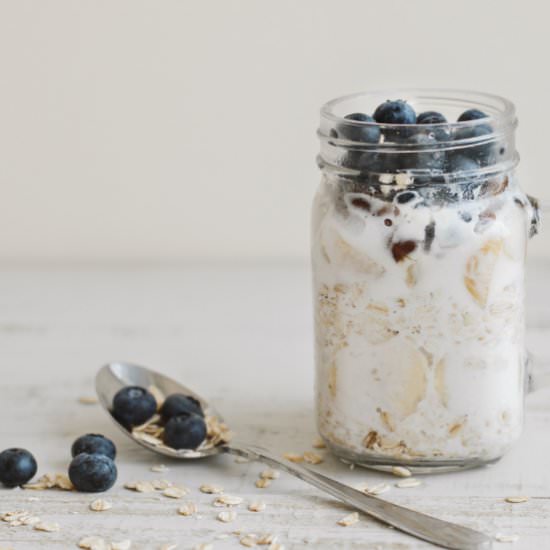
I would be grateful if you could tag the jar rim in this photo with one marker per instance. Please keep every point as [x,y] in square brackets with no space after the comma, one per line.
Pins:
[500,111]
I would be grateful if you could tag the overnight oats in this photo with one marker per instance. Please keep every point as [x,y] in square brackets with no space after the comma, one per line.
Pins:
[418,246]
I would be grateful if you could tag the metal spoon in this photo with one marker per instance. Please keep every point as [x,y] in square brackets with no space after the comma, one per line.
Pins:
[115,376]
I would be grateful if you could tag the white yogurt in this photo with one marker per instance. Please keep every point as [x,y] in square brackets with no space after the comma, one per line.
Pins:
[419,346]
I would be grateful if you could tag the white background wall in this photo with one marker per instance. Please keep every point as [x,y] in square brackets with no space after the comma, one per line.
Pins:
[168,130]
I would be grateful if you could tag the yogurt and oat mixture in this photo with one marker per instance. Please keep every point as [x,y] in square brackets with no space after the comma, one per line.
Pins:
[419,320]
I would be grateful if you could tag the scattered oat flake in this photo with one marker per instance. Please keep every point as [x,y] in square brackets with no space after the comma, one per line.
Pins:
[319,444]
[157,394]
[516,500]
[88,400]
[256,506]
[160,468]
[227,516]
[249,540]
[203,546]
[93,543]
[122,545]
[293,457]
[161,484]
[30,520]
[378,489]
[270,474]
[174,492]
[144,487]
[169,546]
[48,527]
[211,489]
[100,505]
[227,500]
[506,538]
[263,483]
[408,483]
[348,520]
[50,481]
[312,458]
[188,509]
[266,539]
[400,471]
[276,546]
[241,460]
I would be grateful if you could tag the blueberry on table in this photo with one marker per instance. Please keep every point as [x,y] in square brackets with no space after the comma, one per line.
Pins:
[92,473]
[17,467]
[94,444]
[177,404]
[368,133]
[430,117]
[185,431]
[133,405]
[471,114]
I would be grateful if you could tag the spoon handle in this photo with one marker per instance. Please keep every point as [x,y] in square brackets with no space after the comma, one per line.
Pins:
[436,531]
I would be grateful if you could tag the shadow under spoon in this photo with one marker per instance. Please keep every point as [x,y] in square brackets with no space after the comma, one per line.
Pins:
[115,376]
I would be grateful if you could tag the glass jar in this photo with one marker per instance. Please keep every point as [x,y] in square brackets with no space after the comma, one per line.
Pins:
[419,235]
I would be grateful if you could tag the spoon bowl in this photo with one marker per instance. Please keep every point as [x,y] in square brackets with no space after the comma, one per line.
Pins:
[113,377]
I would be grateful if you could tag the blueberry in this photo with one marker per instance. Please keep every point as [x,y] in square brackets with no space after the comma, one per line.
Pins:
[368,133]
[430,117]
[177,404]
[483,152]
[94,444]
[426,155]
[395,112]
[185,431]
[471,114]
[406,197]
[92,473]
[462,163]
[17,466]
[379,163]
[133,406]
[433,117]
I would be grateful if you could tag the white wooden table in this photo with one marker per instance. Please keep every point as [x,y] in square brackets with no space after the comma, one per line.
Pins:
[240,335]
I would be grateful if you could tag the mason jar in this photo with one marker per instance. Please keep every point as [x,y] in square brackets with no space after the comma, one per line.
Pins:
[419,235]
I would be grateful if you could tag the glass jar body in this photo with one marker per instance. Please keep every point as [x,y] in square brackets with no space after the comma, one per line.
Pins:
[419,321]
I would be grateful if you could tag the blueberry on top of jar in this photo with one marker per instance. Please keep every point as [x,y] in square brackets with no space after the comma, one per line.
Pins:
[426,155]
[369,133]
[441,133]
[430,117]
[471,114]
[462,163]
[395,112]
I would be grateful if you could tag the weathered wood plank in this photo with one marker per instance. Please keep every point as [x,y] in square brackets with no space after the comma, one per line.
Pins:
[242,336]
